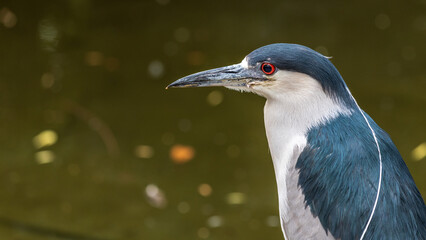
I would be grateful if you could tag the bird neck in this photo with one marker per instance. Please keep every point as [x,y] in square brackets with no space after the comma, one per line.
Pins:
[287,122]
[290,117]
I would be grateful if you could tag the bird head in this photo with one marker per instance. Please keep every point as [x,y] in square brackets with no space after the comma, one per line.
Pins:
[277,71]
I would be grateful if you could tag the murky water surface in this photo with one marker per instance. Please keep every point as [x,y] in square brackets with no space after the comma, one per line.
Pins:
[93,147]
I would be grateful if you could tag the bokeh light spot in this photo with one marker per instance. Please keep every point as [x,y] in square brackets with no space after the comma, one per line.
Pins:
[382,21]
[47,80]
[185,125]
[183,207]
[235,198]
[182,34]
[273,221]
[181,153]
[48,34]
[205,190]
[144,151]
[215,98]
[168,138]
[44,157]
[8,18]
[94,58]
[419,152]
[45,138]
[419,23]
[215,221]
[155,196]
[203,233]
[156,69]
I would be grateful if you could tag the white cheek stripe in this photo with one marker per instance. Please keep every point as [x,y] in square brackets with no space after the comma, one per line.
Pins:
[380,175]
[244,63]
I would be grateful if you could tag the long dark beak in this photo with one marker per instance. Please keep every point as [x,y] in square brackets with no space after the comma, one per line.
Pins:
[230,76]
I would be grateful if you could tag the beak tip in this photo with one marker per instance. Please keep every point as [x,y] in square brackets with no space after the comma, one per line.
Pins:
[172,85]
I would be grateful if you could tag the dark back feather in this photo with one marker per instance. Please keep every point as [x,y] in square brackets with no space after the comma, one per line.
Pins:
[339,174]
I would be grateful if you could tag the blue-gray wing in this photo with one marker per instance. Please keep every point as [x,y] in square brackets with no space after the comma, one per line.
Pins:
[339,174]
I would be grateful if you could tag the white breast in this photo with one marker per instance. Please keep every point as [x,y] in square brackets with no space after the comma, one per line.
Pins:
[299,105]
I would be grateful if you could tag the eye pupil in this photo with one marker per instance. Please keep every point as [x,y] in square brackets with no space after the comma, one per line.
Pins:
[268,68]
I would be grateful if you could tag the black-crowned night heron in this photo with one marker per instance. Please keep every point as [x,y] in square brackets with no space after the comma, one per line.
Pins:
[339,175]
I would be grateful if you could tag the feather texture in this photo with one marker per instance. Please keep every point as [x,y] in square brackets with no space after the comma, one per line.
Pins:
[339,172]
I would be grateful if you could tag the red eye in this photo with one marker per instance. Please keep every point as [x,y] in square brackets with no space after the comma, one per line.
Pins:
[268,68]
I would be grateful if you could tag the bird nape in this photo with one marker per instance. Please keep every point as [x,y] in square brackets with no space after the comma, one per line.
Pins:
[339,175]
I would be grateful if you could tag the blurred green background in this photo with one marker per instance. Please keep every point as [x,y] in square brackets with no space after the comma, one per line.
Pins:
[93,147]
